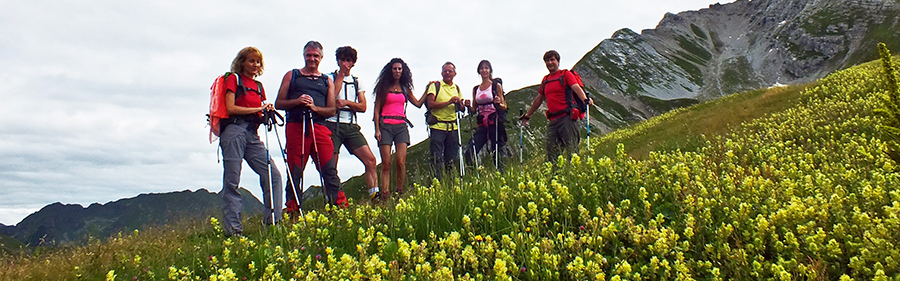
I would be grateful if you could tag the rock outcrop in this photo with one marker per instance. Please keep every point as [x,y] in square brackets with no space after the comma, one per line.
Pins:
[748,44]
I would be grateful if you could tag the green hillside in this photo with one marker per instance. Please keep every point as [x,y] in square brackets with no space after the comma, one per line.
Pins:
[776,184]
[9,245]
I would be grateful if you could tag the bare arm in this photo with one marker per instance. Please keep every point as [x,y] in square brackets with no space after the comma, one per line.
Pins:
[538,100]
[355,106]
[432,104]
[282,102]
[413,100]
[234,109]
[376,117]
[359,106]
[580,93]
[472,106]
[500,99]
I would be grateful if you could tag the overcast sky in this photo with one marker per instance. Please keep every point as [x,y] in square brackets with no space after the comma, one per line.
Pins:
[103,100]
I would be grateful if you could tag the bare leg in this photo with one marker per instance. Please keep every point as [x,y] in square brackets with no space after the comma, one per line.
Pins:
[368,159]
[385,168]
[401,164]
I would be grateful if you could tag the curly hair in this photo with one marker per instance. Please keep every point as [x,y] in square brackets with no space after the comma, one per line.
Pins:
[345,53]
[237,65]
[386,79]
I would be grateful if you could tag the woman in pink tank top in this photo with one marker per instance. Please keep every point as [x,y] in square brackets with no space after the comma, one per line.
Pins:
[392,90]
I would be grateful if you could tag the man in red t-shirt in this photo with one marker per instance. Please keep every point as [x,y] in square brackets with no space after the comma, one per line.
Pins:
[561,131]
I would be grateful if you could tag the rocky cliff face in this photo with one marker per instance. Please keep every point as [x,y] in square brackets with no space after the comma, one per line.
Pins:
[749,44]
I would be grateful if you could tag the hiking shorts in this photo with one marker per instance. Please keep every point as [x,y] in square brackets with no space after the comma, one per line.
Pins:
[347,135]
[392,134]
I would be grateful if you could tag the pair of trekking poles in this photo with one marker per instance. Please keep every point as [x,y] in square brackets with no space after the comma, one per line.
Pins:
[496,141]
[271,119]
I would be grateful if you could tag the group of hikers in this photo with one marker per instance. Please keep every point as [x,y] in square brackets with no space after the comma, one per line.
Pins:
[321,116]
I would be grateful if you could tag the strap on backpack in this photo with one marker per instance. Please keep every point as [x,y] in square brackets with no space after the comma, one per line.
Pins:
[568,94]
[355,83]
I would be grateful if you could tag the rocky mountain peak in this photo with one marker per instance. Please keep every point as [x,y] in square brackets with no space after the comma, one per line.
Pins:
[728,48]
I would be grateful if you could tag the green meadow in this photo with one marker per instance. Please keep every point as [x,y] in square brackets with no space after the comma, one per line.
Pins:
[785,183]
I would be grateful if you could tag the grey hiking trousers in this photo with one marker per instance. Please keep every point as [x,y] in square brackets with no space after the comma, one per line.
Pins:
[238,144]
[562,137]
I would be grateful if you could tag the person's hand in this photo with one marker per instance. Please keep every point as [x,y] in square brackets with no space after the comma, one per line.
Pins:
[497,99]
[267,107]
[378,135]
[454,99]
[524,118]
[306,100]
[342,103]
[467,103]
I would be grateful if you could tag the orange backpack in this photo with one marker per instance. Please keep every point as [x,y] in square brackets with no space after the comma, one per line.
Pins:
[217,110]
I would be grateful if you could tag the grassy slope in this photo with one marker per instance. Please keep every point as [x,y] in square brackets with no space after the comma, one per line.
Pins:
[685,129]
[783,185]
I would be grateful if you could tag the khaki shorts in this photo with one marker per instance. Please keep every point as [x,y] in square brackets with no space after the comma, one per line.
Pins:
[346,134]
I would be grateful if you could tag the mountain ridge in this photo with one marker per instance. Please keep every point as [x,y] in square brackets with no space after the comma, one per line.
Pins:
[728,48]
[61,224]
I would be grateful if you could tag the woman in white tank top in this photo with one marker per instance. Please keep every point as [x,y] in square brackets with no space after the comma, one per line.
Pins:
[491,107]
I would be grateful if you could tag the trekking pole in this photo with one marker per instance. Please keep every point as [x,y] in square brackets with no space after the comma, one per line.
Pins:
[462,168]
[521,128]
[302,152]
[472,142]
[290,178]
[588,121]
[497,140]
[318,162]
[268,126]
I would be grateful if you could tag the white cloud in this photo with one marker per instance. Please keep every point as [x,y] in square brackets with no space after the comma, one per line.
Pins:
[103,99]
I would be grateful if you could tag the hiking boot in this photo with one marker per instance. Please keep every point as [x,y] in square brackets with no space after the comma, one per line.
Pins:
[293,210]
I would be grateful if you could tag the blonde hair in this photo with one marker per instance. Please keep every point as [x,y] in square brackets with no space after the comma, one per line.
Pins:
[237,65]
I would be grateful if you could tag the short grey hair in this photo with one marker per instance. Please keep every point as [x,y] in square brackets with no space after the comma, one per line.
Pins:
[449,63]
[314,44]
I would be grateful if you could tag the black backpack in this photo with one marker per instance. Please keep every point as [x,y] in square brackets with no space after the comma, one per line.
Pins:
[574,107]
[501,112]
[356,88]
[430,119]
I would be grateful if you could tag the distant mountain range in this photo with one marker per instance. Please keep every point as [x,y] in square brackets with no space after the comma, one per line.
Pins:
[60,224]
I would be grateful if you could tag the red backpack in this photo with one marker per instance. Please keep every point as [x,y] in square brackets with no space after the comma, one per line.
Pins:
[217,110]
[574,107]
